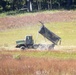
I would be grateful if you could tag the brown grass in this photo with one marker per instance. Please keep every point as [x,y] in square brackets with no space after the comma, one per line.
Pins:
[35,66]
[21,21]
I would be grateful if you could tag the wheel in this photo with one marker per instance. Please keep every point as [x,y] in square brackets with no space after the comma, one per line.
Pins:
[17,46]
[22,47]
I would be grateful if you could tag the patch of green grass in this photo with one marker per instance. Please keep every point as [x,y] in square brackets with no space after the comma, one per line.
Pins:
[42,54]
[17,13]
[66,30]
[55,55]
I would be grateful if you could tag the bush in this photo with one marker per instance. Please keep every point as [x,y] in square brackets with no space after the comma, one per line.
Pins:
[16,56]
[1,8]
[8,7]
[73,7]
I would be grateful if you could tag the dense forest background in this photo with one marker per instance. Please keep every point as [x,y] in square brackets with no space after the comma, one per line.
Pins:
[9,5]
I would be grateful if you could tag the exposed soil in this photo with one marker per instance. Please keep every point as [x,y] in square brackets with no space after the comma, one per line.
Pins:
[19,21]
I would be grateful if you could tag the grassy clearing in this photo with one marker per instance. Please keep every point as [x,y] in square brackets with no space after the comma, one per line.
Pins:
[38,62]
[66,30]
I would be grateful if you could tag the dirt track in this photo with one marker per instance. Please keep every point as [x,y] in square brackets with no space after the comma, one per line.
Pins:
[19,21]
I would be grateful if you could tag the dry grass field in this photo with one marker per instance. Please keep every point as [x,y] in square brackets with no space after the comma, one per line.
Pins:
[33,62]
[25,63]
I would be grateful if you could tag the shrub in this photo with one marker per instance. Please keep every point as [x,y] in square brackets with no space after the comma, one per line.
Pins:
[1,8]
[17,56]
[8,7]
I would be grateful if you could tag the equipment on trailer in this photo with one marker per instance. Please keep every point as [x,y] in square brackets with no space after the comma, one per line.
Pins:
[28,42]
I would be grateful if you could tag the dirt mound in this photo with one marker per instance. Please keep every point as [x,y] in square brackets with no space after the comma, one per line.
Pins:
[46,47]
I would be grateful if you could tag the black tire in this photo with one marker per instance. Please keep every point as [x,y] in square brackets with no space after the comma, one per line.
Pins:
[22,47]
[17,46]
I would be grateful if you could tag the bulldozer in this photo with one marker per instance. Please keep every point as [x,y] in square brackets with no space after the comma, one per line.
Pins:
[28,42]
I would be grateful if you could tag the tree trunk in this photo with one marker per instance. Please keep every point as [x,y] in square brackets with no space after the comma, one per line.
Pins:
[69,3]
[50,4]
[29,5]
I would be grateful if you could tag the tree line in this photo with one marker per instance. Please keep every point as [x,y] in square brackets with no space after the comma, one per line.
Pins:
[8,5]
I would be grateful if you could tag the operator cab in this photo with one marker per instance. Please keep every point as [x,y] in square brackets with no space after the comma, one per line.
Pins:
[29,40]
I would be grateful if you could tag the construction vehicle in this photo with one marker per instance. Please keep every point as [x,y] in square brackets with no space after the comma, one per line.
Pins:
[28,42]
